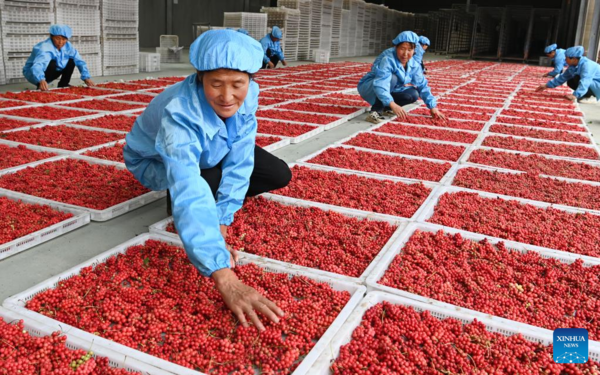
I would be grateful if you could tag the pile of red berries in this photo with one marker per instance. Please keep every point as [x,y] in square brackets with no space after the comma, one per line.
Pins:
[154,300]
[395,339]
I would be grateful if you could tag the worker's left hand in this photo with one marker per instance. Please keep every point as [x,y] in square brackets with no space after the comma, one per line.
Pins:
[541,88]
[435,113]
[89,82]
[235,257]
[571,97]
[284,63]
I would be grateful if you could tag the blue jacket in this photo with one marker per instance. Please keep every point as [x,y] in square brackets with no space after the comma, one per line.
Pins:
[419,52]
[560,62]
[44,52]
[589,74]
[178,135]
[387,75]
[268,43]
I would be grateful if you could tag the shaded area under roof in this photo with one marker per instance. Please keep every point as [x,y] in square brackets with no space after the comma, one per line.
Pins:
[429,5]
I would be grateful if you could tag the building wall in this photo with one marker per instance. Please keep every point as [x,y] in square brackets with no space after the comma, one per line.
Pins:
[158,16]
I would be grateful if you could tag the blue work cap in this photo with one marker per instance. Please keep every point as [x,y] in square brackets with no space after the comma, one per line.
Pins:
[550,48]
[61,30]
[226,49]
[276,32]
[424,40]
[243,31]
[406,36]
[576,51]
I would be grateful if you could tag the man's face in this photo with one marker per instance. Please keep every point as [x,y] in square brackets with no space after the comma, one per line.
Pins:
[551,54]
[59,41]
[274,39]
[572,61]
[425,46]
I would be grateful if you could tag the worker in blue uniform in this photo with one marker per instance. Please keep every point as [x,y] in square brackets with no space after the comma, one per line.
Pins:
[420,50]
[55,57]
[396,80]
[558,60]
[197,139]
[583,76]
[272,49]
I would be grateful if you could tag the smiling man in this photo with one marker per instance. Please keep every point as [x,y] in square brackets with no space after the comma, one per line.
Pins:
[55,57]
[197,139]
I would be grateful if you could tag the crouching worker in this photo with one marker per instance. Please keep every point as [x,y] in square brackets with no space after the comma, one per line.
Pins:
[582,76]
[396,80]
[55,57]
[558,60]
[197,139]
[271,46]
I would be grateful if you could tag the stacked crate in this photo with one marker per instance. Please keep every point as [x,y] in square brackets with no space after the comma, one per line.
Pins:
[361,15]
[83,16]
[169,49]
[366,30]
[377,30]
[255,23]
[316,28]
[120,37]
[24,24]
[383,34]
[304,7]
[336,28]
[393,27]
[420,23]
[345,34]
[289,22]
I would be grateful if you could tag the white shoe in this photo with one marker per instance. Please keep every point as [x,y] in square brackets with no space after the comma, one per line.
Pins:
[374,118]
[590,100]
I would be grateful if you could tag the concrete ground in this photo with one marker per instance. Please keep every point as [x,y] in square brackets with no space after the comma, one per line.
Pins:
[39,263]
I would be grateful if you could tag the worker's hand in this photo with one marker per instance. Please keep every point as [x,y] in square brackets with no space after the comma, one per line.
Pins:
[44,85]
[571,97]
[541,88]
[235,257]
[283,62]
[437,114]
[398,110]
[89,82]
[271,65]
[546,75]
[242,300]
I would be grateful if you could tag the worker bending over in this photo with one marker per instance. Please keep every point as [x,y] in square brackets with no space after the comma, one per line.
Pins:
[582,75]
[197,139]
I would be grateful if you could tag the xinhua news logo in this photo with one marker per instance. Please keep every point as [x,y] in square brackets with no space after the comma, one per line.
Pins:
[571,345]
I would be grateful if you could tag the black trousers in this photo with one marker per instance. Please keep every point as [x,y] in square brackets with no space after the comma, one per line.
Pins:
[574,82]
[270,173]
[52,73]
[273,57]
[405,97]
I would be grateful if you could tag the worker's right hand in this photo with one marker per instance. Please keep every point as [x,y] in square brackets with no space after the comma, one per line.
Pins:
[242,300]
[398,110]
[271,65]
[541,88]
[43,85]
